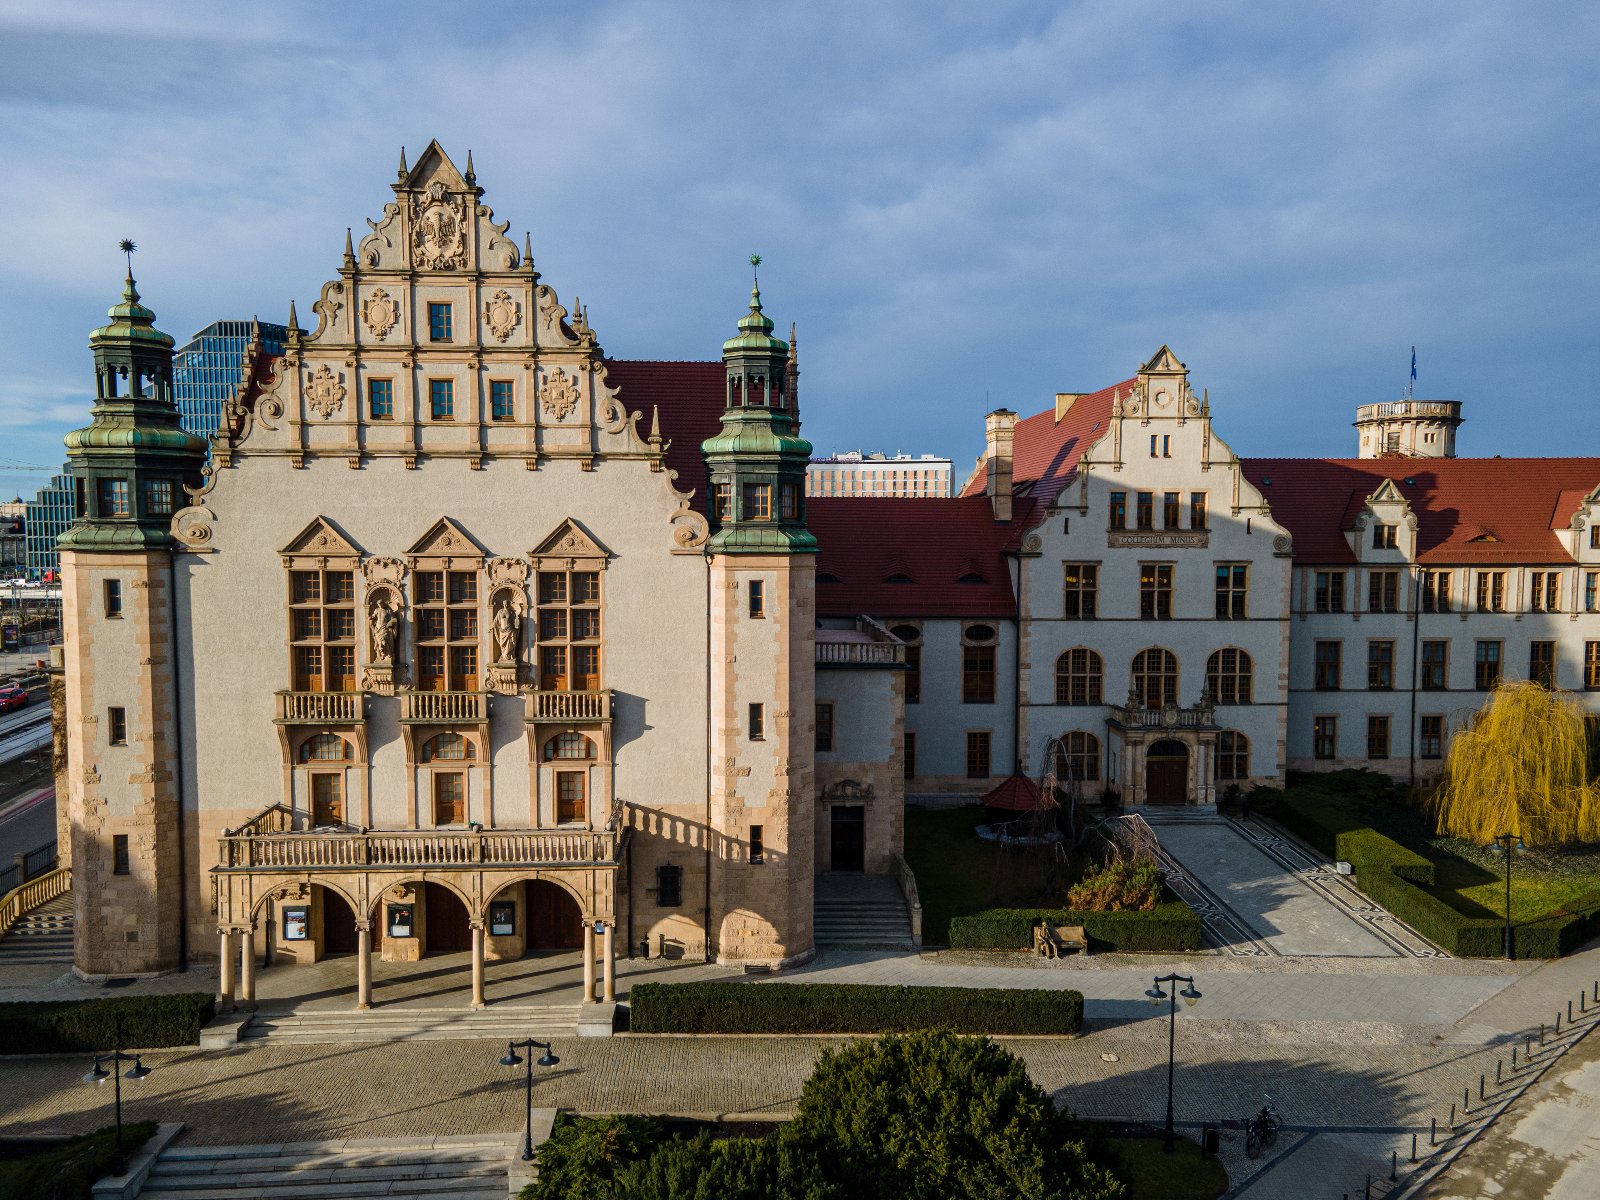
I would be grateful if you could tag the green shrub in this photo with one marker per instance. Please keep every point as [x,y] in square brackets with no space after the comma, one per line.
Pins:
[68,1026]
[583,1156]
[737,1168]
[1171,925]
[1119,887]
[848,1008]
[68,1171]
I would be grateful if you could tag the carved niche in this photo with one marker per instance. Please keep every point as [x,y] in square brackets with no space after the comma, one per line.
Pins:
[558,395]
[438,240]
[381,313]
[502,314]
[849,791]
[325,392]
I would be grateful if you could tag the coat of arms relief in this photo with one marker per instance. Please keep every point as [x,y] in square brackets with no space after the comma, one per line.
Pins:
[381,313]
[559,395]
[502,314]
[325,393]
[438,240]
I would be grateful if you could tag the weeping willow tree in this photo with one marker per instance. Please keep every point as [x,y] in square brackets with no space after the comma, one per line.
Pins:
[1521,766]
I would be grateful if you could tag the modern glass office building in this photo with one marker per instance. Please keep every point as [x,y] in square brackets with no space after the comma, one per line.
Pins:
[205,370]
[46,518]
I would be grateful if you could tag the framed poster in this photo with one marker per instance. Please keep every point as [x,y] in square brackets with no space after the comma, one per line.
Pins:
[503,918]
[399,924]
[296,923]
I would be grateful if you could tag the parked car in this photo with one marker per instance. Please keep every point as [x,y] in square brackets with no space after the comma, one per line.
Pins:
[11,696]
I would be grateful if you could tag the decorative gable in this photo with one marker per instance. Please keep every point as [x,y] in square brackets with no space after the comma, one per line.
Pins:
[449,541]
[570,541]
[314,545]
[1163,362]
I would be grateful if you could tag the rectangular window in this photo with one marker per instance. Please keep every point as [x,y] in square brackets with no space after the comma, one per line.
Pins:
[1491,591]
[1436,591]
[502,403]
[1197,510]
[911,755]
[1325,738]
[1435,666]
[119,854]
[1145,513]
[1171,511]
[158,497]
[1080,584]
[1383,591]
[758,502]
[1383,538]
[380,399]
[1486,672]
[824,726]
[1431,736]
[113,593]
[1542,663]
[978,754]
[1328,594]
[1591,666]
[442,399]
[1591,590]
[570,806]
[450,798]
[1155,591]
[1119,510]
[117,726]
[114,500]
[569,631]
[1594,537]
[977,674]
[669,887]
[722,502]
[445,608]
[790,509]
[322,630]
[758,599]
[1329,656]
[758,722]
[1232,589]
[1377,737]
[758,848]
[1380,666]
[438,322]
[1545,593]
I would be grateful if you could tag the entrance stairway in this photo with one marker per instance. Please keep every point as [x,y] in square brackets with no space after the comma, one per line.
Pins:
[861,912]
[400,1024]
[41,937]
[469,1168]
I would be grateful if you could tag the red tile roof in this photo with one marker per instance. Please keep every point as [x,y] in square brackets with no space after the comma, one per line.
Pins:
[1469,510]
[1046,453]
[933,542]
[1014,793]
[690,397]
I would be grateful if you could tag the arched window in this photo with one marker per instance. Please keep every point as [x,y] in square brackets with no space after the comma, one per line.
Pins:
[1080,677]
[1155,678]
[448,747]
[1233,756]
[568,745]
[325,747]
[898,577]
[1078,757]
[1228,676]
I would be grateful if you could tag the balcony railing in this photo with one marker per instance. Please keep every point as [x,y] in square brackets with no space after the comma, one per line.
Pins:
[319,708]
[569,706]
[860,654]
[1167,717]
[335,850]
[1408,408]
[444,708]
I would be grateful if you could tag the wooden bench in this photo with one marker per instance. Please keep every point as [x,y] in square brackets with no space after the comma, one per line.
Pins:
[1050,941]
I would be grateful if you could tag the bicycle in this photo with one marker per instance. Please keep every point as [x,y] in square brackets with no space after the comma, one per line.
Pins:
[1262,1129]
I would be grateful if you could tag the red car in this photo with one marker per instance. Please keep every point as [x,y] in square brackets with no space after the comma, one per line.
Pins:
[11,696]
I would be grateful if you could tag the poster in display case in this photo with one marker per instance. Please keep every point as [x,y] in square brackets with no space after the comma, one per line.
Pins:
[400,924]
[296,923]
[503,918]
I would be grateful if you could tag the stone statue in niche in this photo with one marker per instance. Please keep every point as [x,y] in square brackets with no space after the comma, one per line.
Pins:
[507,631]
[383,620]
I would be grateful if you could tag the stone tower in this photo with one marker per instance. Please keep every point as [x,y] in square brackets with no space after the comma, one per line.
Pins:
[1409,428]
[122,791]
[763,621]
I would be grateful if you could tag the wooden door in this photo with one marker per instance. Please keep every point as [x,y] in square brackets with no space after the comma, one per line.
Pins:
[848,837]
[1166,773]
[338,924]
[449,798]
[449,928]
[327,798]
[554,920]
[570,804]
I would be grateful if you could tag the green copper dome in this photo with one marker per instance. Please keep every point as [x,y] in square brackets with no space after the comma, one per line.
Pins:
[755,331]
[130,321]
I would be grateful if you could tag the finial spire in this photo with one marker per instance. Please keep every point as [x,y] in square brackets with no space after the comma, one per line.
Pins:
[471,174]
[794,344]
[404,170]
[655,422]
[527,249]
[349,248]
[127,246]
[294,325]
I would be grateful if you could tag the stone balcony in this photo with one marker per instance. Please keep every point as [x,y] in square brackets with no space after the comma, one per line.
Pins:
[444,708]
[319,708]
[1168,716]
[869,644]
[568,706]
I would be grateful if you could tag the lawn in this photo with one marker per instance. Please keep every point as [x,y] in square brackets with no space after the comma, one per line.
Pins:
[957,874]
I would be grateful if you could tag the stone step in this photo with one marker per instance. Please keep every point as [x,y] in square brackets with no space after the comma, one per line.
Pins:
[414,1024]
[473,1168]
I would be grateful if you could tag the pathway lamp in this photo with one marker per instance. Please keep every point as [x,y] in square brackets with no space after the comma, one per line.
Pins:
[99,1074]
[1508,844]
[513,1059]
[1190,994]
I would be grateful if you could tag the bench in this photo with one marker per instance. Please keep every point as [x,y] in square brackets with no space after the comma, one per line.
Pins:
[1050,941]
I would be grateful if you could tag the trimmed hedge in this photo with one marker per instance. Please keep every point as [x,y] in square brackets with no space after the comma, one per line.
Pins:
[1170,925]
[68,1026]
[69,1171]
[848,1008]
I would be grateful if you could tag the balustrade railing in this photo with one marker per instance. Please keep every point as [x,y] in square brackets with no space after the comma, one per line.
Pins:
[444,707]
[569,706]
[23,900]
[860,654]
[377,849]
[1169,717]
[319,708]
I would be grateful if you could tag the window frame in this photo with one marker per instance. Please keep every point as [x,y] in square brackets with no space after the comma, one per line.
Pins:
[1231,763]
[1231,681]
[1080,591]
[445,389]
[756,597]
[1427,663]
[1485,679]
[1322,661]
[441,321]
[1080,681]
[1430,736]
[111,594]
[1327,592]
[1117,511]
[1078,757]
[1325,737]
[1542,667]
[502,390]
[1380,665]
[756,729]
[1383,590]
[569,625]
[1491,590]
[1436,592]
[1591,666]
[375,385]
[824,727]
[1232,591]
[116,725]
[1155,591]
[980,752]
[1156,682]
[1380,734]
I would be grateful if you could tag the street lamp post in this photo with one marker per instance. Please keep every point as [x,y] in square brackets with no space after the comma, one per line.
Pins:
[1506,844]
[98,1074]
[513,1059]
[1190,995]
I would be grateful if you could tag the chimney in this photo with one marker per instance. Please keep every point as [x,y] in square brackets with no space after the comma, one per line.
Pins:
[1000,433]
[1064,403]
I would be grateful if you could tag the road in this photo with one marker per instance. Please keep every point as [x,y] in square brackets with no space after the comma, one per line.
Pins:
[25,735]
[27,824]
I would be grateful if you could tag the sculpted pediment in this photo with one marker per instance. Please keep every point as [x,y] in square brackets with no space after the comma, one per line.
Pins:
[445,539]
[1387,493]
[321,539]
[434,166]
[570,540]
[1163,362]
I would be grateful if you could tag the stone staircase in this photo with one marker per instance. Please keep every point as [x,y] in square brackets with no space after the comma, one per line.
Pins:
[462,1168]
[41,937]
[400,1024]
[861,912]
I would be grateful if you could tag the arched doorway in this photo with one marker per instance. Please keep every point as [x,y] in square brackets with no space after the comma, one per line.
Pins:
[449,925]
[1166,773]
[555,922]
[338,923]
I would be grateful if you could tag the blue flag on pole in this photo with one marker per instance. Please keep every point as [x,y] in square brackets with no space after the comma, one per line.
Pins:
[1413,365]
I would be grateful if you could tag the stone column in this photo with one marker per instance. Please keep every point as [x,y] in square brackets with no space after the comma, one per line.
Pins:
[477,964]
[588,962]
[363,964]
[225,968]
[608,963]
[247,967]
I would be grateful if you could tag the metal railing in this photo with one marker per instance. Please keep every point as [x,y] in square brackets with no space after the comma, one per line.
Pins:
[569,706]
[20,901]
[319,708]
[444,707]
[31,865]
[372,849]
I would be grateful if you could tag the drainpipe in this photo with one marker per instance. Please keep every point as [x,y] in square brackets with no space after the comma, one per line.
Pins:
[177,763]
[710,717]
[1416,634]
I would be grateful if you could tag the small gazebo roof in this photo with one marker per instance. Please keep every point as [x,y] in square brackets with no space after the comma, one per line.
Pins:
[1015,793]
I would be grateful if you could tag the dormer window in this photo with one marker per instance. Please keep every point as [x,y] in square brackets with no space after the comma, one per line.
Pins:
[972,577]
[158,497]
[115,500]
[758,502]
[1384,537]
[898,577]
[722,502]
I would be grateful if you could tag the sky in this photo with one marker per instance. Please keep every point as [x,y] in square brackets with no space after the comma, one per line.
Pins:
[963,206]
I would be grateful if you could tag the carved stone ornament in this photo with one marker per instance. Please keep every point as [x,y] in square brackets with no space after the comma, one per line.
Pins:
[325,393]
[559,395]
[380,570]
[381,313]
[293,891]
[849,790]
[502,314]
[437,240]
[511,573]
